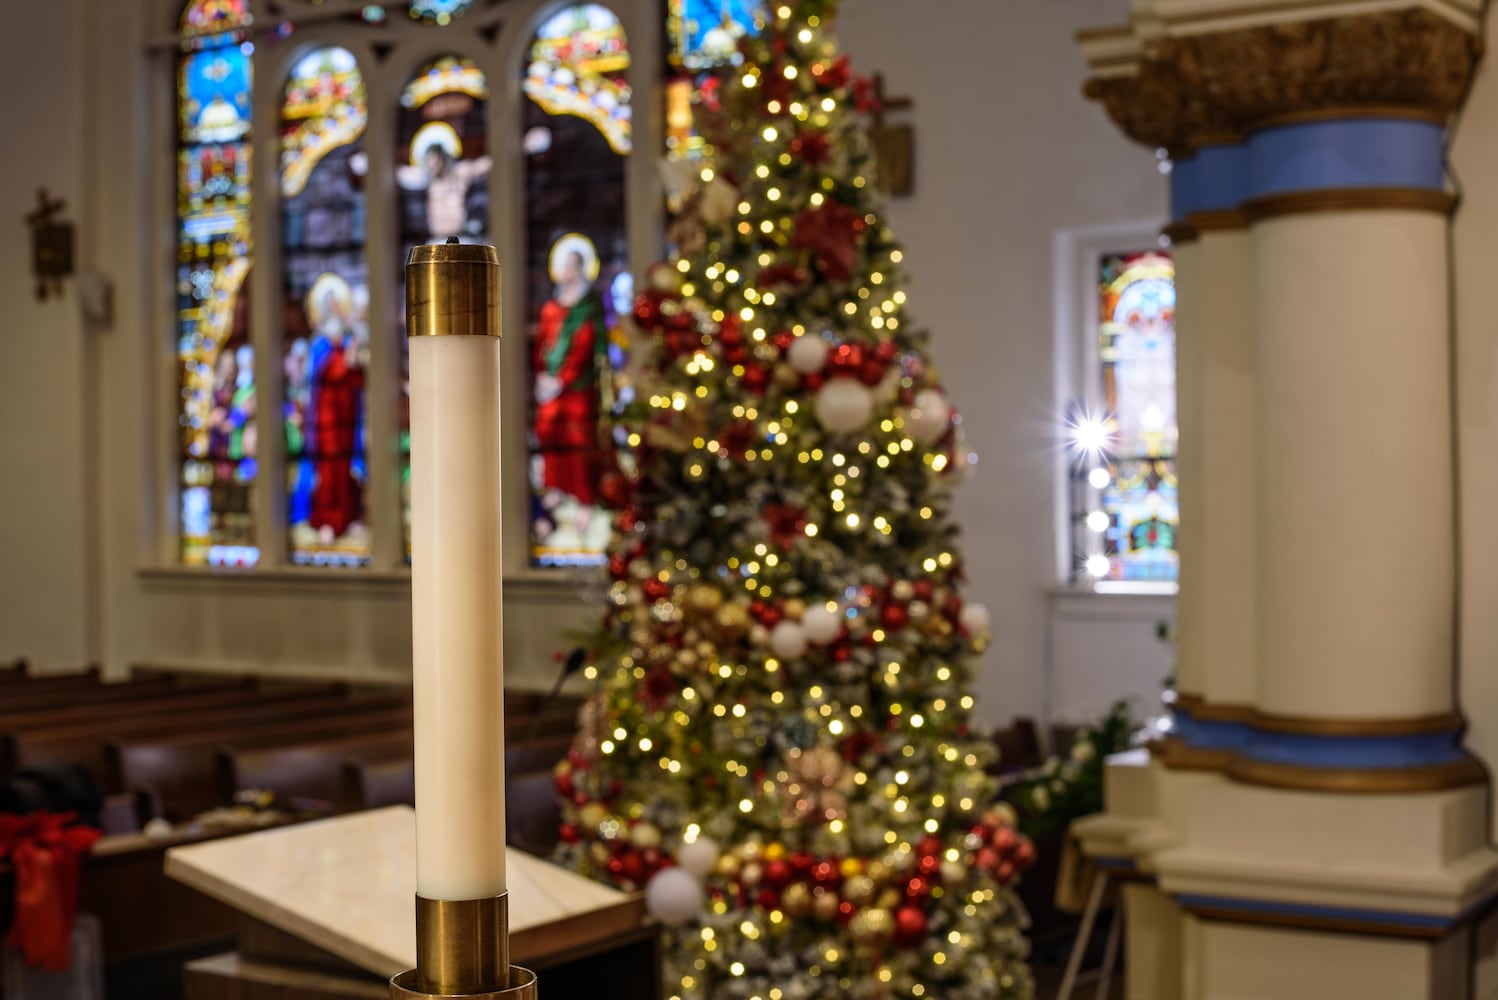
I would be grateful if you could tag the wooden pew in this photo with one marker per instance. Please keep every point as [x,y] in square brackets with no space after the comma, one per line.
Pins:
[79,689]
[373,784]
[180,770]
[309,775]
[85,742]
[540,754]
[13,674]
[168,702]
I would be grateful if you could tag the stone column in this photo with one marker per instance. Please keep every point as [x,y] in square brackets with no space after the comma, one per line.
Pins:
[1315,820]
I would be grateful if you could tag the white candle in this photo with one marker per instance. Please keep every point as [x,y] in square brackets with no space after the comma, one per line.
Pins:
[457,634]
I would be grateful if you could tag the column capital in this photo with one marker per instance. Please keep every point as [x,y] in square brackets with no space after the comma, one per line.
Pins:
[1177,86]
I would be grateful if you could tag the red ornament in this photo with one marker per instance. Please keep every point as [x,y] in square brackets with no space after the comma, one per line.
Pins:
[579,798]
[656,588]
[756,379]
[872,372]
[894,616]
[768,899]
[833,75]
[782,340]
[648,309]
[813,381]
[846,911]
[987,859]
[564,784]
[811,146]
[910,926]
[782,276]
[787,525]
[846,359]
[886,351]
[801,863]
[925,590]
[929,866]
[831,233]
[1005,872]
[1024,855]
[918,887]
[614,488]
[632,866]
[778,873]
[738,436]
[826,874]
[729,331]
[929,846]
[1005,840]
[569,833]
[842,651]
[771,617]
[618,567]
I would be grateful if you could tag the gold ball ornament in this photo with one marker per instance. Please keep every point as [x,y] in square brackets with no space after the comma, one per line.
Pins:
[796,900]
[890,898]
[851,867]
[879,872]
[728,865]
[786,377]
[873,925]
[591,815]
[824,905]
[775,851]
[859,889]
[733,620]
[795,608]
[704,599]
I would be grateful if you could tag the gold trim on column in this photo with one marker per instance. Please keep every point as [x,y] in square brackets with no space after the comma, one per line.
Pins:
[1400,112]
[1456,774]
[1228,915]
[1179,233]
[1399,199]
[1174,753]
[1217,220]
[1213,711]
[1420,725]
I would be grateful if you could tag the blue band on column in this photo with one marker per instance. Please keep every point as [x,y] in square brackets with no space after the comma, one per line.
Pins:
[1361,753]
[1201,734]
[1213,179]
[1350,153]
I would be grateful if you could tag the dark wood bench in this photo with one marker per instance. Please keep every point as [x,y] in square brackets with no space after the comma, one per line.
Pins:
[166,703]
[85,742]
[181,770]
[308,775]
[65,692]
[374,784]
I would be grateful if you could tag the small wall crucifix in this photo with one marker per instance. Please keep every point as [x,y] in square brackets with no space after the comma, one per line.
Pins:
[894,145]
[51,245]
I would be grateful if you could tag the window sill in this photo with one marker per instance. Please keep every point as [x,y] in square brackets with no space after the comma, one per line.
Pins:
[524,584]
[1129,591]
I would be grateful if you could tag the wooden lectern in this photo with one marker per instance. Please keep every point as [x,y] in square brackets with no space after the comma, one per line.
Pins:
[324,911]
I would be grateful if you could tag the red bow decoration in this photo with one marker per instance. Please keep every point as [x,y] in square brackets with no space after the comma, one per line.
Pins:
[866,96]
[835,75]
[787,523]
[831,233]
[811,145]
[44,851]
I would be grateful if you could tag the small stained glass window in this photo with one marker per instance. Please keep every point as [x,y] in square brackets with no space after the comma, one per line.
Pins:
[216,376]
[1130,511]
[325,309]
[579,64]
[439,12]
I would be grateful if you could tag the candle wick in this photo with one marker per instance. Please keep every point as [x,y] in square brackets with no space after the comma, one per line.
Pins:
[452,239]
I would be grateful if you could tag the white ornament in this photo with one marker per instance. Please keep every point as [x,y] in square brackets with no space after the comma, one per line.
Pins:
[759,635]
[750,874]
[699,856]
[720,200]
[673,896]
[953,873]
[902,590]
[844,404]
[807,353]
[644,836]
[821,625]
[976,619]
[928,418]
[788,640]
[918,610]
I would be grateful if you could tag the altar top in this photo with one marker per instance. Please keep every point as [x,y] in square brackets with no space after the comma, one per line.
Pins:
[348,884]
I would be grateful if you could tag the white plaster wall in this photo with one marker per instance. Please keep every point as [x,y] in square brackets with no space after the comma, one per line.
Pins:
[43,460]
[1474,152]
[1007,152]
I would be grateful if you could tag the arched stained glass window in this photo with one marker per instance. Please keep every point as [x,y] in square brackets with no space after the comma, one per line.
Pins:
[1133,516]
[215,357]
[442,166]
[577,133]
[325,308]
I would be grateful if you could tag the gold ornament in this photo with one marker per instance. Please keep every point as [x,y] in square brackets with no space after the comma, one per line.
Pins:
[890,898]
[824,904]
[786,377]
[796,900]
[591,815]
[728,865]
[795,608]
[733,620]
[704,598]
[859,889]
[852,867]
[879,872]
[775,851]
[873,926]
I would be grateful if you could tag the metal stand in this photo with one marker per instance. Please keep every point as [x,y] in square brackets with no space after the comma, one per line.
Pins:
[1104,975]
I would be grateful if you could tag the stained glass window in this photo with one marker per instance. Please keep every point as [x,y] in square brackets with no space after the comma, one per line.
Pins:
[1133,507]
[214,354]
[578,281]
[325,308]
[439,11]
[703,37]
[442,166]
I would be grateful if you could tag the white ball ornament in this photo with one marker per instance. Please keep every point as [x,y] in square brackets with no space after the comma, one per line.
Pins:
[902,590]
[645,835]
[807,353]
[928,417]
[976,619]
[673,896]
[843,404]
[759,635]
[821,624]
[788,640]
[699,856]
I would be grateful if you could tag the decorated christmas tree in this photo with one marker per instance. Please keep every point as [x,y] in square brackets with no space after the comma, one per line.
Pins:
[779,745]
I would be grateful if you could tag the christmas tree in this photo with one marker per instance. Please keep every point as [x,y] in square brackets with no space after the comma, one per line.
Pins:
[779,745]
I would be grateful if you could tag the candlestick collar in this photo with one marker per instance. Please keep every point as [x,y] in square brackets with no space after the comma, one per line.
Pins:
[452,290]
[463,950]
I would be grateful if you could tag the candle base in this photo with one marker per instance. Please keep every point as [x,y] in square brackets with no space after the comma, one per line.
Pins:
[463,950]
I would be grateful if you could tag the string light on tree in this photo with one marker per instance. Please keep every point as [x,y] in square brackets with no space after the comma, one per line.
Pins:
[782,676]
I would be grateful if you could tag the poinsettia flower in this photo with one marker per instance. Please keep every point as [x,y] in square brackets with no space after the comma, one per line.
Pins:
[831,233]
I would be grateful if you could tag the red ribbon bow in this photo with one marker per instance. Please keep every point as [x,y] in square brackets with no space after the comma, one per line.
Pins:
[44,849]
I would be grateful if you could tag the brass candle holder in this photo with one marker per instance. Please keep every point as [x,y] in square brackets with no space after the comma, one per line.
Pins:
[462,946]
[463,950]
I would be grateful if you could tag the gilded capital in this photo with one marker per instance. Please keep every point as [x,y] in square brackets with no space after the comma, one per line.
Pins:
[1180,91]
